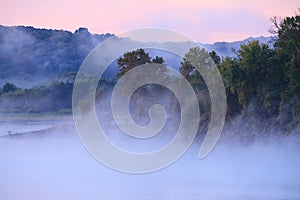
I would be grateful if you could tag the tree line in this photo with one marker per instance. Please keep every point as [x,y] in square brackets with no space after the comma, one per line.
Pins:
[261,82]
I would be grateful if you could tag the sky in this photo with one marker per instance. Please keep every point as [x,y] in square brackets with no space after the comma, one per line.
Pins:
[205,21]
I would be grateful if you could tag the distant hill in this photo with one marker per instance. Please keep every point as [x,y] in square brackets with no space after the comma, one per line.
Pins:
[226,48]
[31,56]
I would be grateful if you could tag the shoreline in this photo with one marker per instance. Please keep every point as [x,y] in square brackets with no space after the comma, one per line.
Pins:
[25,117]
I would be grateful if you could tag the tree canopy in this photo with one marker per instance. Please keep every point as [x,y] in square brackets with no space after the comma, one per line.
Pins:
[260,75]
[135,58]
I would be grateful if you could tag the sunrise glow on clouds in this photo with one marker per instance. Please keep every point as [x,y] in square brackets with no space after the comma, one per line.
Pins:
[204,21]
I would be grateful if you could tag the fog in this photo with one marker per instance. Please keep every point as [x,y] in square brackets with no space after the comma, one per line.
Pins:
[53,164]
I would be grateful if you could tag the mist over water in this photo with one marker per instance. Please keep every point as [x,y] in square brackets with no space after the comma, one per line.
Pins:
[55,165]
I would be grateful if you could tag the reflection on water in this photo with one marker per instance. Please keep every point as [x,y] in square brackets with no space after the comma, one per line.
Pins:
[56,166]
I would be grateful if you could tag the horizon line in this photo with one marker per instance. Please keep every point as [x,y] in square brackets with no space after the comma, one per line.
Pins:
[96,33]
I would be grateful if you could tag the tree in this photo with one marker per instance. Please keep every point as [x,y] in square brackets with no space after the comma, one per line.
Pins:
[194,55]
[216,58]
[231,73]
[254,65]
[145,95]
[288,53]
[9,87]
[135,58]
[158,60]
[199,57]
[288,31]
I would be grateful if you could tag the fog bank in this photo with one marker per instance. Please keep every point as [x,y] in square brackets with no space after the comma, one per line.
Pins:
[56,166]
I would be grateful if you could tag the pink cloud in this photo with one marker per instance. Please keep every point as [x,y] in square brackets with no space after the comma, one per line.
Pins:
[206,21]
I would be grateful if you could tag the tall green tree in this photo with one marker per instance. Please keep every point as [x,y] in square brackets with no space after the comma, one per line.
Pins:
[194,55]
[135,58]
[255,64]
[288,52]
[232,75]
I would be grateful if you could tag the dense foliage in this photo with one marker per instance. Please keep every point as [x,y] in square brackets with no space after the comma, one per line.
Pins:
[29,55]
[262,81]
[135,58]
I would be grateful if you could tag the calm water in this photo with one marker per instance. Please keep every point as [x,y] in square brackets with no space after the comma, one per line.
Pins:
[55,165]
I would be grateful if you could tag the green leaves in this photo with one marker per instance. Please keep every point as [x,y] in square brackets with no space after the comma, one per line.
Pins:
[9,87]
[270,77]
[135,58]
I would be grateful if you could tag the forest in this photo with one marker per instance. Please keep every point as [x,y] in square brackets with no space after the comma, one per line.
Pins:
[262,82]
